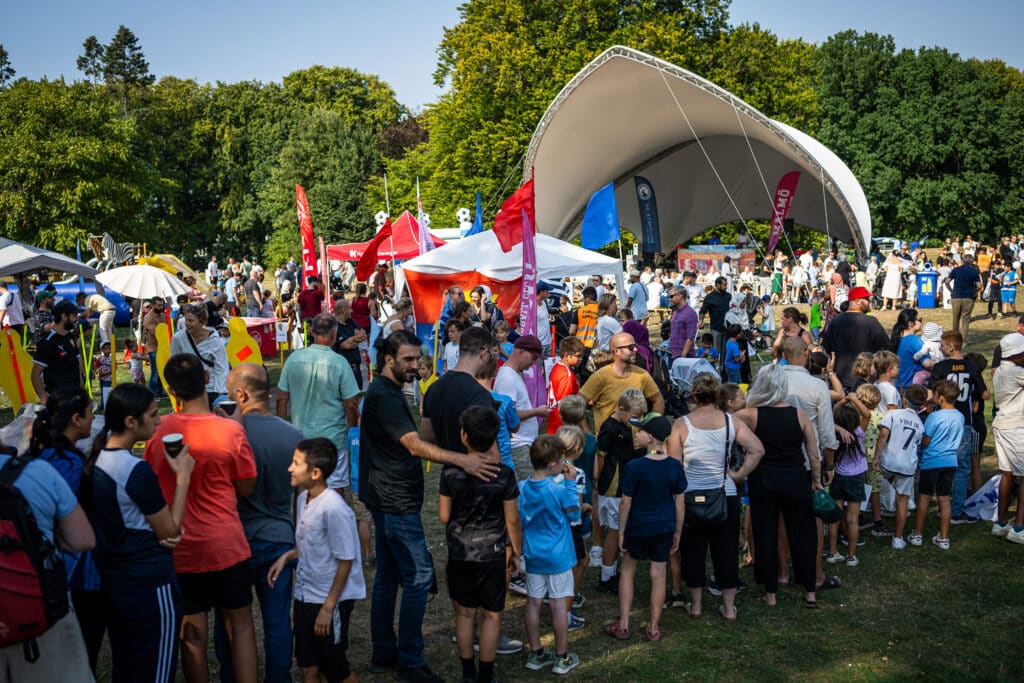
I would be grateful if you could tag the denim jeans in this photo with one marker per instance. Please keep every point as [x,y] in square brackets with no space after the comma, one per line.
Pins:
[733,376]
[154,376]
[275,606]
[402,559]
[963,471]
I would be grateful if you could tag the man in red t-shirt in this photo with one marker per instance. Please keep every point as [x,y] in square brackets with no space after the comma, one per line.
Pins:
[563,381]
[211,557]
[311,299]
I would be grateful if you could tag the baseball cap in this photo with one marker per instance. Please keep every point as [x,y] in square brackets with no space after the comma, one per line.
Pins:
[859,293]
[529,342]
[655,424]
[634,273]
[1012,344]
[43,294]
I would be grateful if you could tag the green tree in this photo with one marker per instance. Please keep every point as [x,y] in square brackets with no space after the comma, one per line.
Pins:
[125,69]
[90,62]
[68,166]
[359,98]
[6,70]
[332,160]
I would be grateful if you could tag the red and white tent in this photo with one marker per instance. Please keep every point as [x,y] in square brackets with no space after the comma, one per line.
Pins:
[404,243]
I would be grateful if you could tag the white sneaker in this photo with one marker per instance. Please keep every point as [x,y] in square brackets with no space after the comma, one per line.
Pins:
[835,557]
[915,539]
[1001,530]
[852,561]
[1015,536]
[898,543]
[940,543]
[596,553]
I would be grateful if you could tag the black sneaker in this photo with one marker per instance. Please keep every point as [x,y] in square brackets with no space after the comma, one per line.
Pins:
[882,529]
[843,540]
[609,586]
[418,674]
[963,518]
[389,666]
[675,600]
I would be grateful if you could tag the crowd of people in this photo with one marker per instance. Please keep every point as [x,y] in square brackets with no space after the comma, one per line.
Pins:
[252,491]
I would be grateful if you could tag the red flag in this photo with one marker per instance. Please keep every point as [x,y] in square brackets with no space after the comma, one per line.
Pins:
[783,199]
[309,264]
[508,224]
[368,260]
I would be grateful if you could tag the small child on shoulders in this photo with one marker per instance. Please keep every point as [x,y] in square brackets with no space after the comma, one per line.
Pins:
[931,347]
[481,520]
[548,502]
[899,435]
[329,574]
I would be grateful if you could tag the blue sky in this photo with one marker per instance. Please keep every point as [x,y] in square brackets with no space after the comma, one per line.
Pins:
[234,40]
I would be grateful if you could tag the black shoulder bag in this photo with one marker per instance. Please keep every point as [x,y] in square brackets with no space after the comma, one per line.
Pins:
[707,507]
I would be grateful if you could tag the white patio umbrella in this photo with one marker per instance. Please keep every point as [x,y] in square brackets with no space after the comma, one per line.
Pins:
[142,282]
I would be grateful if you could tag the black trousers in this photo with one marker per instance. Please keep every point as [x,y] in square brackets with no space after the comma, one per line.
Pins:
[786,491]
[722,539]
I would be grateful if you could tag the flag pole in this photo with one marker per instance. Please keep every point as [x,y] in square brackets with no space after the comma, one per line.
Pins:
[387,208]
[621,262]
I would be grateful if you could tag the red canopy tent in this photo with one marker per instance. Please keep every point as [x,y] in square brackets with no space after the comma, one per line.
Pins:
[404,243]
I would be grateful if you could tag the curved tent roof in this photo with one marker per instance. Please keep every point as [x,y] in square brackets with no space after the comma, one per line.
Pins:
[628,113]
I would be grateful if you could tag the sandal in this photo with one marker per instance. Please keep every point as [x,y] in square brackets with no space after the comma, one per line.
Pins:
[810,604]
[689,611]
[653,636]
[735,613]
[830,583]
[615,631]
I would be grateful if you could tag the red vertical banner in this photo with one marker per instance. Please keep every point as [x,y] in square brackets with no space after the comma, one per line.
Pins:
[309,261]
[780,209]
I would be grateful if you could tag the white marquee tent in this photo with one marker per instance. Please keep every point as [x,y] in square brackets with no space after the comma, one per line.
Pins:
[479,260]
[711,157]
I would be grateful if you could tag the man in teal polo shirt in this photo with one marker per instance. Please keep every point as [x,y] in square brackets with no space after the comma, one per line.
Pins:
[318,386]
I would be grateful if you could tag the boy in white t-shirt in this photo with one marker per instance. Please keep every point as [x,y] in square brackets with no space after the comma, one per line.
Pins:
[329,575]
[887,369]
[899,436]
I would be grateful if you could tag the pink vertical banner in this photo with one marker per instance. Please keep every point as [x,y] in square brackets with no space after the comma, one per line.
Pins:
[780,209]
[533,377]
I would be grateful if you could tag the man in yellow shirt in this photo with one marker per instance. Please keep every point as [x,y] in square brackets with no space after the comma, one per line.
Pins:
[603,388]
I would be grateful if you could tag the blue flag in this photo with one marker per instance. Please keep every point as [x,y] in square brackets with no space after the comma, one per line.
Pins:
[478,222]
[601,220]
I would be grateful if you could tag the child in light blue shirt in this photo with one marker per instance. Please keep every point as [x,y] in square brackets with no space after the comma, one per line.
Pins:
[943,430]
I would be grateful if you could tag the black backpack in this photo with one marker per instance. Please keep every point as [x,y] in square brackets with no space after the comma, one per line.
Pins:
[33,582]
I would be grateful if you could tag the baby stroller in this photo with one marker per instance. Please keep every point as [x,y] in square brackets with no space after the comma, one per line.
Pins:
[685,370]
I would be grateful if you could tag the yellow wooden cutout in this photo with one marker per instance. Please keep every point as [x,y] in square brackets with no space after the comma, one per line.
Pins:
[163,352]
[8,378]
[242,348]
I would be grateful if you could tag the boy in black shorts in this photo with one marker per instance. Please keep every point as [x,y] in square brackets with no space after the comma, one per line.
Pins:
[943,430]
[481,519]
[329,575]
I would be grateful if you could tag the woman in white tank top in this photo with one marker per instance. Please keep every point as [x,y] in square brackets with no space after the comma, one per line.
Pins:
[699,440]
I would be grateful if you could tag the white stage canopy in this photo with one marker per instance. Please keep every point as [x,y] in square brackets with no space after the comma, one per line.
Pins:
[628,113]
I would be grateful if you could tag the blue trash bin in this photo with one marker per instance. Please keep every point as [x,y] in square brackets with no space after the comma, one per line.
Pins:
[927,288]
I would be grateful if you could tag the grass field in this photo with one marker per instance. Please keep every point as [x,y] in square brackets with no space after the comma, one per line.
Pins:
[916,614]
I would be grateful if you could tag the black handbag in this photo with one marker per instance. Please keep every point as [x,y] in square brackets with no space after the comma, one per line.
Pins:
[707,507]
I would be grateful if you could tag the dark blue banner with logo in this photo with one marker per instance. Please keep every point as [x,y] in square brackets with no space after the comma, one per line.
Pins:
[648,217]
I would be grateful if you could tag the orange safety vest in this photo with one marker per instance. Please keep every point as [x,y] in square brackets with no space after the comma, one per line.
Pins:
[586,325]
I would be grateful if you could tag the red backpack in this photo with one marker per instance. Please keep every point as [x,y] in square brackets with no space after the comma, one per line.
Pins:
[33,582]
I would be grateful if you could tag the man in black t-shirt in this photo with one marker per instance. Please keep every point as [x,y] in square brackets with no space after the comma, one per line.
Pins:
[850,333]
[457,389]
[58,360]
[716,305]
[350,336]
[967,377]
[253,294]
[391,486]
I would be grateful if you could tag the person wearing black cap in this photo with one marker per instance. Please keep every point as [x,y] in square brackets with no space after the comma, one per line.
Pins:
[58,360]
[650,520]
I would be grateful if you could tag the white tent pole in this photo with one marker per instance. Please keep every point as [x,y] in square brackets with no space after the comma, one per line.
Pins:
[391,240]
